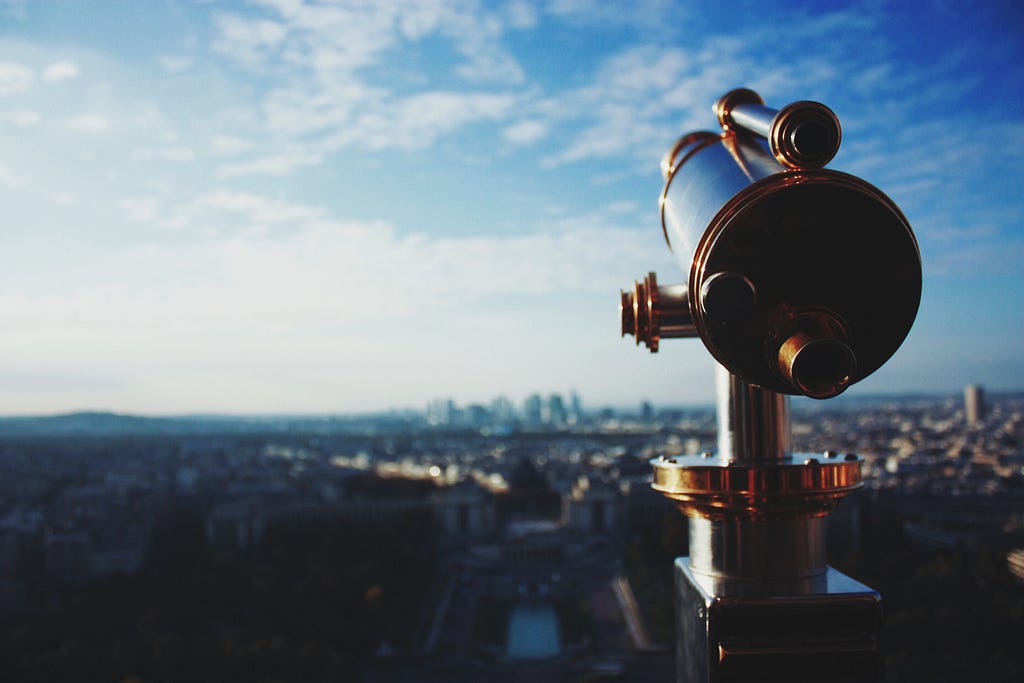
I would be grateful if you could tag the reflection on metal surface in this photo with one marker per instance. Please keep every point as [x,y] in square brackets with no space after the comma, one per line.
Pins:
[728,298]
[651,312]
[819,628]
[808,485]
[800,135]
[753,423]
[815,356]
[791,244]
[778,548]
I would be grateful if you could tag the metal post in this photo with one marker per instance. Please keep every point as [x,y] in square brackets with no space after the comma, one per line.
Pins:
[755,599]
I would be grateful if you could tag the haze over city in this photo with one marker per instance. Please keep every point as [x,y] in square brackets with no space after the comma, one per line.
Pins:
[288,207]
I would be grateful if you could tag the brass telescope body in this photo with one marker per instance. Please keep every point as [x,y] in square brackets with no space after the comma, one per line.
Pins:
[800,280]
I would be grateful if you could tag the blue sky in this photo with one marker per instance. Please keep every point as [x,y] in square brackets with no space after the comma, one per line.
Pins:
[281,206]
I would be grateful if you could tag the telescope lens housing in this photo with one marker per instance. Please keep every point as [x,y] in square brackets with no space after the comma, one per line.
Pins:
[801,281]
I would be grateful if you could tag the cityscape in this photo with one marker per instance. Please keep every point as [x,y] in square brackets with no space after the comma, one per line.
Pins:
[512,540]
[311,360]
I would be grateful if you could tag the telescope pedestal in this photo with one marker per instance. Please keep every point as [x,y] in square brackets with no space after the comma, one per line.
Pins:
[818,629]
[755,599]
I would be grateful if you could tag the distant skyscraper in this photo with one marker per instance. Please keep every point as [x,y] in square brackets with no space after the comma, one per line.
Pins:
[503,410]
[532,410]
[441,411]
[974,404]
[477,415]
[555,413]
[575,408]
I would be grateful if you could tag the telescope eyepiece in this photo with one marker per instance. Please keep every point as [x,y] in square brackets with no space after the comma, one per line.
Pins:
[803,134]
[728,298]
[811,139]
[818,368]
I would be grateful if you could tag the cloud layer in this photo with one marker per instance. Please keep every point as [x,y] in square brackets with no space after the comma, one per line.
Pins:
[305,198]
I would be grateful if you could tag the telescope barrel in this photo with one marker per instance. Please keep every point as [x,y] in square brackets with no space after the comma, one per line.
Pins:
[803,134]
[800,281]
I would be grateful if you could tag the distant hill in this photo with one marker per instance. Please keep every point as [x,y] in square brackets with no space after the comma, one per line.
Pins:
[98,423]
[94,423]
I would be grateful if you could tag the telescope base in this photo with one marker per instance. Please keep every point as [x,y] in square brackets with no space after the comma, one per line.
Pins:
[818,629]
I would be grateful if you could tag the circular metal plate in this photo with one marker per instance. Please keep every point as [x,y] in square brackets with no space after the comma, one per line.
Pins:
[805,484]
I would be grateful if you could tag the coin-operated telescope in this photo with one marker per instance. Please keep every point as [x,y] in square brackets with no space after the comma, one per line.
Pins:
[799,281]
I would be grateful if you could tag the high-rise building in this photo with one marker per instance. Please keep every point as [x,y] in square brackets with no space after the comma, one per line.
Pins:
[441,411]
[974,404]
[502,410]
[532,410]
[575,408]
[555,411]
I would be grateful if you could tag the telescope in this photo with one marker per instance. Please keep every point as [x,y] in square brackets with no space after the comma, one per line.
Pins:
[799,280]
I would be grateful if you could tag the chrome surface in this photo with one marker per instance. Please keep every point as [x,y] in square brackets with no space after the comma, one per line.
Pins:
[803,134]
[774,549]
[651,312]
[725,104]
[816,244]
[683,149]
[821,628]
[819,367]
[753,423]
[807,484]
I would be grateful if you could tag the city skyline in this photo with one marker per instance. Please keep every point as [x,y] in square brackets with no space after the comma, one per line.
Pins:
[281,207]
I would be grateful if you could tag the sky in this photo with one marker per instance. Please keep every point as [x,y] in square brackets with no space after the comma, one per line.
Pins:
[282,206]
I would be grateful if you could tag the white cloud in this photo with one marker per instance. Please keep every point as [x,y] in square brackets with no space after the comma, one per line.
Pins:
[521,14]
[257,209]
[418,120]
[60,71]
[10,179]
[175,154]
[324,102]
[310,108]
[14,78]
[623,206]
[316,268]
[477,36]
[140,209]
[971,257]
[228,145]
[248,41]
[525,132]
[62,198]
[88,123]
[175,63]
[321,273]
[22,118]
[273,164]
